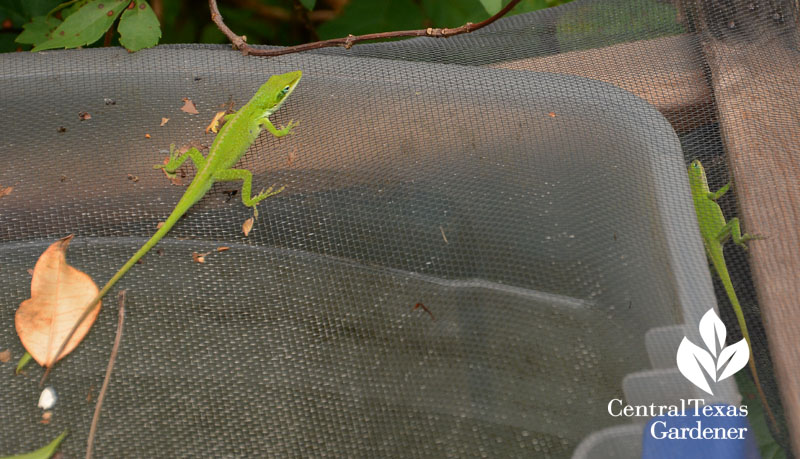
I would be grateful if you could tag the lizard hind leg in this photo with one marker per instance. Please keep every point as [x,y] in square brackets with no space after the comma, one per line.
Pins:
[176,160]
[733,230]
[231,175]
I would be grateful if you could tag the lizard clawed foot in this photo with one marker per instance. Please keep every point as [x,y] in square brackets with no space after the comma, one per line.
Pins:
[288,128]
[267,192]
[749,237]
[173,156]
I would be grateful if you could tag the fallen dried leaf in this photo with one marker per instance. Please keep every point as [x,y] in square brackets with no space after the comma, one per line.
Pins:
[199,257]
[147,136]
[5,356]
[189,106]
[214,125]
[292,157]
[164,121]
[424,308]
[84,116]
[6,191]
[222,249]
[59,294]
[247,226]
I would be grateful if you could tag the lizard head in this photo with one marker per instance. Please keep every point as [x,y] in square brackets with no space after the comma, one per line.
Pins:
[697,172]
[275,91]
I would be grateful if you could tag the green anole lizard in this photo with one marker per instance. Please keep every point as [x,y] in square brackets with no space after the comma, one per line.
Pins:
[234,138]
[715,232]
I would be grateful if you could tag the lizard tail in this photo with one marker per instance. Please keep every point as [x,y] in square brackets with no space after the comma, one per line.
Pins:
[722,271]
[173,218]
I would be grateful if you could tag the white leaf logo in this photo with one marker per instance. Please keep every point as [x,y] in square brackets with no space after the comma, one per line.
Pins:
[695,362]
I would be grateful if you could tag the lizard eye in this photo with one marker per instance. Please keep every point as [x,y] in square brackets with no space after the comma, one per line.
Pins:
[284,91]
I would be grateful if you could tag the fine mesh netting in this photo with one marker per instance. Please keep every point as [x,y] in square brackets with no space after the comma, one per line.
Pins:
[527,183]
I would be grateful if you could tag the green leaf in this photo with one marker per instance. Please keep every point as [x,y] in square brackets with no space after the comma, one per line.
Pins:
[24,360]
[42,453]
[38,30]
[139,27]
[526,6]
[86,25]
[492,6]
[454,13]
[70,7]
[309,4]
[21,11]
[367,16]
[767,445]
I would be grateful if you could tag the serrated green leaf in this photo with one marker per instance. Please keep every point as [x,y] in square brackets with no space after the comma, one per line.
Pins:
[453,13]
[69,7]
[139,27]
[492,6]
[367,16]
[38,30]
[86,25]
[309,4]
[42,453]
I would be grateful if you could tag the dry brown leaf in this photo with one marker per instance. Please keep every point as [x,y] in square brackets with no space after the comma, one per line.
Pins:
[189,106]
[199,257]
[247,226]
[147,136]
[222,249]
[173,178]
[59,294]
[164,121]
[5,356]
[5,191]
[84,116]
[292,157]
[214,125]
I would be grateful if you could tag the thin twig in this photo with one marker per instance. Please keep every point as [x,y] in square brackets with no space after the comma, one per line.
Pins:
[347,42]
[111,359]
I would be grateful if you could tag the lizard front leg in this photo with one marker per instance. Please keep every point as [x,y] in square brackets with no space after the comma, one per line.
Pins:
[267,124]
[719,193]
[176,160]
[231,175]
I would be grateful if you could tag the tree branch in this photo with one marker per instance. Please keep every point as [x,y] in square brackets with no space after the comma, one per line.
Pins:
[347,42]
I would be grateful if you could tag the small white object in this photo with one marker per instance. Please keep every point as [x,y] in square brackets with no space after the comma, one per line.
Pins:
[48,398]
